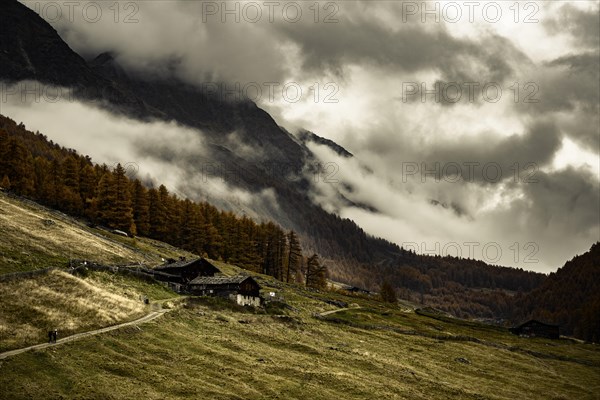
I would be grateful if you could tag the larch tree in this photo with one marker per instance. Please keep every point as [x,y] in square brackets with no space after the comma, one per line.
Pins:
[18,165]
[88,182]
[72,201]
[191,234]
[114,200]
[294,256]
[5,184]
[316,274]
[141,208]
[157,215]
[387,293]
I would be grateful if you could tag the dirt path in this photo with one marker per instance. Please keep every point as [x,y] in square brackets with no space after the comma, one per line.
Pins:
[323,314]
[145,318]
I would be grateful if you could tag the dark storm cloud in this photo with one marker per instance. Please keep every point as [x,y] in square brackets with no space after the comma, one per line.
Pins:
[571,82]
[579,84]
[537,146]
[171,38]
[413,47]
[490,155]
[565,200]
[584,26]
[570,85]
[558,212]
[260,51]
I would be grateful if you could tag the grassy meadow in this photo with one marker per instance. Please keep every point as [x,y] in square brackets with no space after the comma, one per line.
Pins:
[30,307]
[208,348]
[211,349]
[35,237]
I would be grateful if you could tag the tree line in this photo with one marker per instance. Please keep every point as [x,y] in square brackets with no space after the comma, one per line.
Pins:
[35,167]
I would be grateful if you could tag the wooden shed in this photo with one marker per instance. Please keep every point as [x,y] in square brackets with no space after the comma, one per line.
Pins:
[243,289]
[187,270]
[355,289]
[534,328]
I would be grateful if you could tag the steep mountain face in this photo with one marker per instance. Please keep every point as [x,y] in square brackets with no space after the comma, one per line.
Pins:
[30,49]
[308,137]
[570,297]
[210,111]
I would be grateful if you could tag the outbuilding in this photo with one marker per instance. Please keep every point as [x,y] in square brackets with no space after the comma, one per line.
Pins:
[534,328]
[184,271]
[243,289]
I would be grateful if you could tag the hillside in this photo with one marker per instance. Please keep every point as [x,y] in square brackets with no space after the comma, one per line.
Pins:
[35,237]
[176,224]
[570,297]
[30,307]
[300,346]
[210,348]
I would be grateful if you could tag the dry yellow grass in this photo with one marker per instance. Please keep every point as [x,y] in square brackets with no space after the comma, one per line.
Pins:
[27,243]
[211,349]
[27,240]
[30,307]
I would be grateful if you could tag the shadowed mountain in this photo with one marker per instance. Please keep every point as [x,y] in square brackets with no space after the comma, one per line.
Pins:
[30,49]
[306,137]
[210,111]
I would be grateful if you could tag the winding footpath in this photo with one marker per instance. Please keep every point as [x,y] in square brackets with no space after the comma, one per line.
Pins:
[77,336]
[323,314]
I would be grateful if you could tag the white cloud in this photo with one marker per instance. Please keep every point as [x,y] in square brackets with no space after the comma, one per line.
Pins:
[160,151]
[501,224]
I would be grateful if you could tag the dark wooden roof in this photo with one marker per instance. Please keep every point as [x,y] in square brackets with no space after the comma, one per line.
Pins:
[220,280]
[186,263]
[536,322]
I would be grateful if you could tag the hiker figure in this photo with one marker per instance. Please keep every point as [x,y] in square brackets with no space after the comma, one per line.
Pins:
[50,336]
[55,335]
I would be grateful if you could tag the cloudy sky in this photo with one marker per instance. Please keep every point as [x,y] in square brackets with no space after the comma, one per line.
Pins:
[470,122]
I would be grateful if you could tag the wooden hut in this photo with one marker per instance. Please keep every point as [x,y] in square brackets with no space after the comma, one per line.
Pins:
[244,290]
[184,271]
[534,328]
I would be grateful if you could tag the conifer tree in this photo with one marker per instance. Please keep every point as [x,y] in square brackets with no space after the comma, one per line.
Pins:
[18,166]
[106,198]
[4,138]
[71,199]
[293,258]
[157,215]
[114,201]
[5,184]
[316,273]
[141,208]
[166,230]
[387,293]
[54,188]
[191,235]
[87,190]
